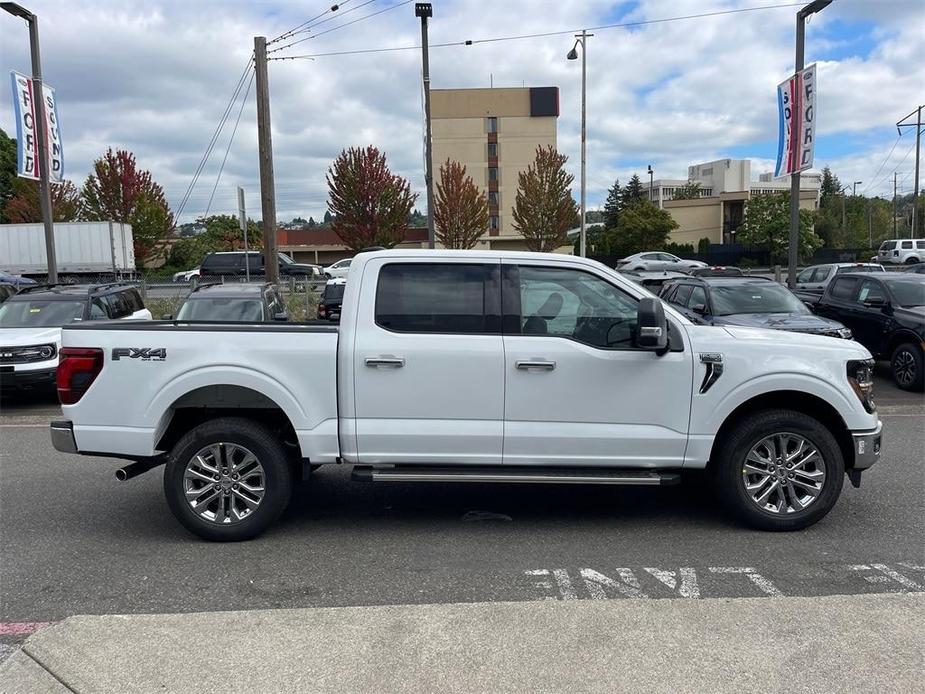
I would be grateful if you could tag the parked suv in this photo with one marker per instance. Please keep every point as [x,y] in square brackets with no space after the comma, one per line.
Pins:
[31,322]
[232,264]
[754,302]
[886,313]
[814,279]
[902,251]
[232,303]
[331,299]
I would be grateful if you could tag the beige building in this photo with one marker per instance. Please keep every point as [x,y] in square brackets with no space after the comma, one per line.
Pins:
[494,133]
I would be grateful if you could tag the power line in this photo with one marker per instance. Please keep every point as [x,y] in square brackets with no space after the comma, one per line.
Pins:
[901,161]
[341,26]
[214,139]
[472,42]
[882,164]
[234,130]
[298,28]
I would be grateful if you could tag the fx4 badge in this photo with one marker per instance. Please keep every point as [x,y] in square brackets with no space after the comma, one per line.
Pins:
[143,353]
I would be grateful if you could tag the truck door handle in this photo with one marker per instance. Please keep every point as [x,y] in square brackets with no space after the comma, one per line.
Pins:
[539,365]
[393,362]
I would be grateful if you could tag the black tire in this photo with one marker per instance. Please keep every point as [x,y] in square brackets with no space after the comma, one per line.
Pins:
[269,452]
[905,355]
[735,446]
[912,261]
[639,269]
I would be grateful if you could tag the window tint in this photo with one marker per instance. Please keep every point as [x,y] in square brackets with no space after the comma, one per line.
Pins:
[683,294]
[806,275]
[871,291]
[432,298]
[821,274]
[133,299]
[577,305]
[650,256]
[668,293]
[907,244]
[698,296]
[920,244]
[98,310]
[843,288]
[668,257]
[887,245]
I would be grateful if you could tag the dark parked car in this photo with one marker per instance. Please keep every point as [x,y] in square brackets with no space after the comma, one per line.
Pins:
[232,264]
[232,303]
[917,269]
[886,313]
[753,302]
[6,291]
[15,280]
[331,299]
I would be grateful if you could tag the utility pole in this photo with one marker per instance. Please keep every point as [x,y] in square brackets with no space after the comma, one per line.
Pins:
[242,222]
[894,204]
[265,149]
[806,11]
[425,10]
[582,39]
[38,101]
[918,147]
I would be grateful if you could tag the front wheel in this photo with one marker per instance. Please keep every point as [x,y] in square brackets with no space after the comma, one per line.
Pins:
[228,479]
[779,470]
[906,363]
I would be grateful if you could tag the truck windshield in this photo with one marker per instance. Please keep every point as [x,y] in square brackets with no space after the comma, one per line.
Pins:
[222,310]
[908,291]
[37,313]
[755,297]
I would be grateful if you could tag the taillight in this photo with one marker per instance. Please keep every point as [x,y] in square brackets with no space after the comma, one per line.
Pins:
[321,309]
[78,368]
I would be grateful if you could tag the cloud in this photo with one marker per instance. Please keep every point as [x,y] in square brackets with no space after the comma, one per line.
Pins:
[154,77]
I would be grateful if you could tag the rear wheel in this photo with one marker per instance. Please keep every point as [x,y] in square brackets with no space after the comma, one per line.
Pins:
[228,479]
[906,363]
[779,470]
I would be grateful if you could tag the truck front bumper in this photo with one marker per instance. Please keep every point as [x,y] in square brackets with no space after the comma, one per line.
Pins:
[62,436]
[866,447]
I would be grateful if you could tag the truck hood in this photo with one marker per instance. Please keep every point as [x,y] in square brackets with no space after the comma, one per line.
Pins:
[802,341]
[915,313]
[18,337]
[796,322]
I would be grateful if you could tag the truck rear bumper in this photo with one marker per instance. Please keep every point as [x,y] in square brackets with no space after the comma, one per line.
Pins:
[62,436]
[867,447]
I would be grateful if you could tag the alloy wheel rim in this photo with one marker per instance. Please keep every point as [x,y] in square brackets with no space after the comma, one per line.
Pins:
[224,483]
[904,367]
[783,473]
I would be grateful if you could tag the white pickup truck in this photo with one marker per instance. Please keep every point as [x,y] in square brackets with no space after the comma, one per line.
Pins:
[470,366]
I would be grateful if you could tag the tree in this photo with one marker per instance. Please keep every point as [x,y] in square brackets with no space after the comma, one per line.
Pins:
[222,233]
[312,223]
[7,172]
[633,192]
[767,225]
[460,208]
[370,204]
[642,227]
[25,206]
[119,191]
[829,189]
[613,205]
[328,218]
[544,209]
[689,191]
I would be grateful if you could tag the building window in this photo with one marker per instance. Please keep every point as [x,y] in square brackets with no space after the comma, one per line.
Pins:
[493,197]
[494,222]
[492,149]
[491,124]
[492,173]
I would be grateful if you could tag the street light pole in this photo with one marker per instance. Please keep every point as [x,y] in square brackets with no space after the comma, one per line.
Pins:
[573,55]
[651,182]
[802,14]
[854,188]
[425,10]
[38,100]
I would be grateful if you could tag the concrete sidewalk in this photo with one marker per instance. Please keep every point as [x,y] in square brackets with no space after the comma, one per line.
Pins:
[840,643]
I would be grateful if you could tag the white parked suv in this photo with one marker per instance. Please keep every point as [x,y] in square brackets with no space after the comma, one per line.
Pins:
[657,260]
[902,251]
[31,322]
[478,367]
[338,269]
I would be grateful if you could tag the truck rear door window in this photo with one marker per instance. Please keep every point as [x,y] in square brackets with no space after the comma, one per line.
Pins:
[433,298]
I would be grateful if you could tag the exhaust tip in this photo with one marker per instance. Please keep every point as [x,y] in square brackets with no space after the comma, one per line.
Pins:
[121,474]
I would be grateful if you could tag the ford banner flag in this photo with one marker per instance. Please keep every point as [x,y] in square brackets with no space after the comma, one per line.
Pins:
[796,102]
[27,146]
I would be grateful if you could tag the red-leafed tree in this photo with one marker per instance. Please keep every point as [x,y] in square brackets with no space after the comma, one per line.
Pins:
[25,206]
[544,209]
[119,191]
[370,205]
[460,208]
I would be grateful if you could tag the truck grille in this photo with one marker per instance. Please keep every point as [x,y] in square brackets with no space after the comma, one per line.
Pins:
[27,354]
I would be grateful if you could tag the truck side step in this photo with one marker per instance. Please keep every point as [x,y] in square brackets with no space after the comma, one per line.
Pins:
[515,474]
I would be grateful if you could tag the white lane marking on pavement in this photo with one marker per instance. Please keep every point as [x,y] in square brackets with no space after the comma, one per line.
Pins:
[565,584]
[764,584]
[596,582]
[887,575]
[688,587]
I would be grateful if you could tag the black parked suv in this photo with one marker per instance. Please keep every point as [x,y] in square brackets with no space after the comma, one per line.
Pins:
[231,264]
[331,300]
[886,313]
[232,303]
[753,302]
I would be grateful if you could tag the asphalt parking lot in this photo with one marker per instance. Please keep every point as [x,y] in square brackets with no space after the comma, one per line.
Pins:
[76,541]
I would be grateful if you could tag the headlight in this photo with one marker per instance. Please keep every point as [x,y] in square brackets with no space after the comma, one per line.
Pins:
[861,378]
[844,333]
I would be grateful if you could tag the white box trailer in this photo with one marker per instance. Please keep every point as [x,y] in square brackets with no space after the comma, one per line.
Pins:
[82,249]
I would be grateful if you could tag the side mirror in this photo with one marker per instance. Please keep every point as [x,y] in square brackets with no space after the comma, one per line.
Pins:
[281,315]
[809,305]
[875,302]
[699,309]
[651,326]
[167,316]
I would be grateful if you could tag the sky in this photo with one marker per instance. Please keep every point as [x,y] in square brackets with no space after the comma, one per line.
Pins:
[155,77]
